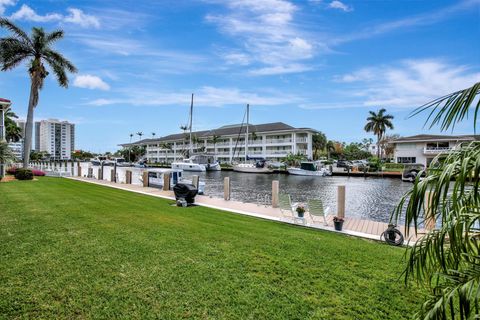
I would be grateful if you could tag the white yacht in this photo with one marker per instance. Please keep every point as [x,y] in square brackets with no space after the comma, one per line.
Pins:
[259,165]
[310,168]
[199,163]
[155,179]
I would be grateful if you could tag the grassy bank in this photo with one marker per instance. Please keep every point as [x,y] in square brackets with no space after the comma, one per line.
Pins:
[76,250]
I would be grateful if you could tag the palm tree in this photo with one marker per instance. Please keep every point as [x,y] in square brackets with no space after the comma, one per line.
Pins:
[140,134]
[319,141]
[378,124]
[447,259]
[13,133]
[153,135]
[35,49]
[330,147]
[215,139]
[130,148]
[6,155]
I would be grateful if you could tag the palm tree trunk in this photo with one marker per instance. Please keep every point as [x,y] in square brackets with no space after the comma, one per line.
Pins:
[378,146]
[27,140]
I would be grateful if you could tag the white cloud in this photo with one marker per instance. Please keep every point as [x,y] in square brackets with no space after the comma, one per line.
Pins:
[205,97]
[76,16]
[411,83]
[293,68]
[340,6]
[6,3]
[27,13]
[265,32]
[84,20]
[90,82]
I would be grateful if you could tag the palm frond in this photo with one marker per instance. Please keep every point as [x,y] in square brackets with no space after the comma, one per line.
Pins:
[54,36]
[451,109]
[18,33]
[54,57]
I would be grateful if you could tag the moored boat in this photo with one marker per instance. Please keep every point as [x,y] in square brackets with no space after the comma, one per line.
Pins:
[259,166]
[198,163]
[310,168]
[155,179]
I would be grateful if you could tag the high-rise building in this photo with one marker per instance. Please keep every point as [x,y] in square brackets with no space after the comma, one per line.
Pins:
[55,137]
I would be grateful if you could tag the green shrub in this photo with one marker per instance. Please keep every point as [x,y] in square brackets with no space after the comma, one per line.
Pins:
[23,174]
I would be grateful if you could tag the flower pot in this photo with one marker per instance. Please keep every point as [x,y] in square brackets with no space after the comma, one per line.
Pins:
[338,225]
[300,214]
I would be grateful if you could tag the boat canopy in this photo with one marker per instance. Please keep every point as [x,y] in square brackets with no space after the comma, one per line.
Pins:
[309,166]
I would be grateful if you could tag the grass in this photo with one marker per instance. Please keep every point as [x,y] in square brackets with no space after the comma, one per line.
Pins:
[75,250]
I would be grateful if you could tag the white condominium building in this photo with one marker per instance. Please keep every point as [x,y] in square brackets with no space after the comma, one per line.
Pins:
[55,137]
[272,141]
[424,148]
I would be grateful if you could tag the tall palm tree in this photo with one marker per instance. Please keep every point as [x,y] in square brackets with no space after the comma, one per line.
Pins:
[319,141]
[140,134]
[447,259]
[153,135]
[377,123]
[37,51]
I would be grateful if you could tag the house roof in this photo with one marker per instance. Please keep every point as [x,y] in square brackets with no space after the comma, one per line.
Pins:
[5,102]
[236,129]
[432,137]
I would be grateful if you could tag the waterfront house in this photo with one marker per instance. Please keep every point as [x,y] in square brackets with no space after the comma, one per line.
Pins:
[272,141]
[424,148]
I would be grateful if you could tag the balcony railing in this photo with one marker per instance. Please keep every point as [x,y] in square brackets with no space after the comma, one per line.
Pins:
[277,141]
[433,150]
[301,140]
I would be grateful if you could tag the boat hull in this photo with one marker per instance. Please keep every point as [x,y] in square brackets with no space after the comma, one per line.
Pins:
[189,166]
[251,169]
[213,167]
[301,172]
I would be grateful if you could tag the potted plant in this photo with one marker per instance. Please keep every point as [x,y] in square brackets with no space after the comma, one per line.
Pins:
[300,210]
[338,223]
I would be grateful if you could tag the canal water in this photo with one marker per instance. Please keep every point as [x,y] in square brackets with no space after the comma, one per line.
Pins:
[366,198]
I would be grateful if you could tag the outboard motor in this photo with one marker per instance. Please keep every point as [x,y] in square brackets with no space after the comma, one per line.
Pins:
[185,194]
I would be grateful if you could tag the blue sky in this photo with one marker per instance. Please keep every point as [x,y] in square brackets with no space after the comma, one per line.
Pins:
[318,63]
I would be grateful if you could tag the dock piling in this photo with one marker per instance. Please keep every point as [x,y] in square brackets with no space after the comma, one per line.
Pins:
[429,214]
[145,178]
[341,202]
[195,181]
[275,191]
[226,188]
[166,181]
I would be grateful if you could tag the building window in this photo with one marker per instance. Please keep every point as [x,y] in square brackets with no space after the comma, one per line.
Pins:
[406,159]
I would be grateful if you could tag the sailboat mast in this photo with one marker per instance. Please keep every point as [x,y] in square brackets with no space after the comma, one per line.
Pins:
[246,132]
[191,121]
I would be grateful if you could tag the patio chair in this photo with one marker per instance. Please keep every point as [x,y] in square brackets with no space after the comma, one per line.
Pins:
[288,209]
[316,210]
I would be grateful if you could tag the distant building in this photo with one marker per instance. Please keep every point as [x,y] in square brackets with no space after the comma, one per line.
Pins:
[17,149]
[272,141]
[424,148]
[55,137]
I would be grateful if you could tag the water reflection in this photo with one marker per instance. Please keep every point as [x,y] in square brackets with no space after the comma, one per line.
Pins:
[368,198]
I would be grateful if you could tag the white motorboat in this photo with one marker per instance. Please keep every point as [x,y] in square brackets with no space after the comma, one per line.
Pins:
[198,163]
[310,168]
[98,161]
[189,165]
[120,162]
[155,179]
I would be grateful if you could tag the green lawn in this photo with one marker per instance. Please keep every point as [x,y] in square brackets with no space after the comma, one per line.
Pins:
[75,250]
